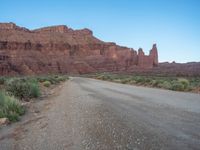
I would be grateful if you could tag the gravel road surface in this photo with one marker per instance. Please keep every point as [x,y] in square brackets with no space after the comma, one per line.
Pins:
[89,114]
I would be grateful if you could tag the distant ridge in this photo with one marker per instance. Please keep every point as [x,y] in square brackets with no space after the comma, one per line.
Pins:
[60,49]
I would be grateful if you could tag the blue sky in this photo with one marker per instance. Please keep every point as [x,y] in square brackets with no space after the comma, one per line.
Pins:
[173,24]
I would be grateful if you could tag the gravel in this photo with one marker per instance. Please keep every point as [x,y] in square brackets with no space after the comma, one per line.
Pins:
[98,115]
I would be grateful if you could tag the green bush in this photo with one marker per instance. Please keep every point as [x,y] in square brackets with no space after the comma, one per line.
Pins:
[100,77]
[177,86]
[17,88]
[31,79]
[160,81]
[166,82]
[41,79]
[105,76]
[185,82]
[2,80]
[147,80]
[22,88]
[46,83]
[60,79]
[165,85]
[154,83]
[195,82]
[117,80]
[125,81]
[34,90]
[139,79]
[10,107]
[53,79]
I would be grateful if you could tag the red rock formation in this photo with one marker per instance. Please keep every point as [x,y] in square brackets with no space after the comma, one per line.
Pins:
[147,61]
[59,49]
[11,26]
[154,55]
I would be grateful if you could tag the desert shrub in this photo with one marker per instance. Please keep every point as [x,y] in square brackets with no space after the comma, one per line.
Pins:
[139,79]
[106,77]
[46,83]
[132,82]
[172,83]
[195,82]
[10,107]
[17,88]
[181,85]
[160,81]
[156,82]
[117,80]
[41,79]
[177,86]
[31,79]
[125,80]
[22,88]
[198,84]
[99,77]
[165,85]
[153,83]
[34,90]
[185,82]
[46,78]
[2,80]
[53,79]
[147,80]
[61,78]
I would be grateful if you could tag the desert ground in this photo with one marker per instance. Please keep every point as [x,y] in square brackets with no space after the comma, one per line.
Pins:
[91,114]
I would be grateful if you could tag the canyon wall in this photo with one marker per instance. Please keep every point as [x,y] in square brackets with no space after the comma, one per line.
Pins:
[59,49]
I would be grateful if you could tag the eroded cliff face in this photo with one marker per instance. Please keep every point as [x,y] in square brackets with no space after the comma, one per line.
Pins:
[60,49]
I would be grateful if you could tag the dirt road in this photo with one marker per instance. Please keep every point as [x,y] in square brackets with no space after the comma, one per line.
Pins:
[98,115]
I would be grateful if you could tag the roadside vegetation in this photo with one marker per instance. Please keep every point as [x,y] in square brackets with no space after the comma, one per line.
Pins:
[16,90]
[170,83]
[10,107]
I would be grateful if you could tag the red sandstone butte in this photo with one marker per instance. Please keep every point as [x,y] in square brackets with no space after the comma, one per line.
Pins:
[59,49]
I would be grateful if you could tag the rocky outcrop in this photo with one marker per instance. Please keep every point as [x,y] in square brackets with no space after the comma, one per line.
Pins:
[154,55]
[145,60]
[190,69]
[58,29]
[60,49]
[11,26]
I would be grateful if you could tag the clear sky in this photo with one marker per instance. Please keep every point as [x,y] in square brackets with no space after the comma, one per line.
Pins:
[173,24]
